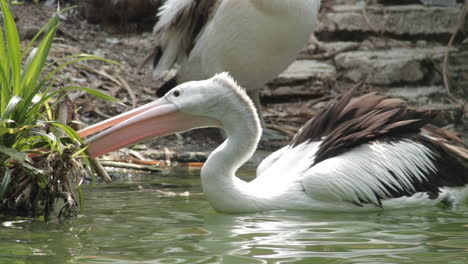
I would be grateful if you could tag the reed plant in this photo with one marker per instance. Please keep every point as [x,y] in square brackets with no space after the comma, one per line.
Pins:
[42,160]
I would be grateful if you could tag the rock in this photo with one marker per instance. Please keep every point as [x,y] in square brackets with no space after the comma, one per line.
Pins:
[458,64]
[186,156]
[405,19]
[440,2]
[339,45]
[433,98]
[447,114]
[300,78]
[285,92]
[304,70]
[386,67]
[326,50]
[419,95]
[27,32]
[426,2]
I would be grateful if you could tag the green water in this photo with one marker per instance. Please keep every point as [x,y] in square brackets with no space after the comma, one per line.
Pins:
[151,219]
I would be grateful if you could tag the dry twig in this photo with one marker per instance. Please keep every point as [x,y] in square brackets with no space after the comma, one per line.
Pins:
[369,23]
[329,54]
[125,165]
[99,169]
[461,22]
[117,79]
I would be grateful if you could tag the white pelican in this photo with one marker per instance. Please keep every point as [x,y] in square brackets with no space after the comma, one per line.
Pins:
[370,153]
[253,40]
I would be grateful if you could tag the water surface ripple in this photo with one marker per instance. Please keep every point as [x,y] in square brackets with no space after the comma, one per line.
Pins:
[154,219]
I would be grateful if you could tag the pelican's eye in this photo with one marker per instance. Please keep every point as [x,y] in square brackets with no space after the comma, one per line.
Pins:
[177,93]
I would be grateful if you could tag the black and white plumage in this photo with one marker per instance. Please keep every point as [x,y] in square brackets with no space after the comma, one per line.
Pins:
[367,153]
[386,145]
[253,40]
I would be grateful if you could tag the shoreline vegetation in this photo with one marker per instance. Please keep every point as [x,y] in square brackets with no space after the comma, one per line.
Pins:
[42,158]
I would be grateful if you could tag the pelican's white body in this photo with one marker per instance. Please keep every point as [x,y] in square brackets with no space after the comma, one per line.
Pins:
[286,179]
[386,172]
[253,40]
[290,183]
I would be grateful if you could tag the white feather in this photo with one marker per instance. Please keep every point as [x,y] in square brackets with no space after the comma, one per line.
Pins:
[366,170]
[252,40]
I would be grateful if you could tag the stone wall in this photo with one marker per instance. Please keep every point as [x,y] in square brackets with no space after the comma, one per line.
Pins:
[398,50]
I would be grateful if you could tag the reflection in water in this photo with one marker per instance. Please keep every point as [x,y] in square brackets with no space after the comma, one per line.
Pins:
[143,220]
[299,235]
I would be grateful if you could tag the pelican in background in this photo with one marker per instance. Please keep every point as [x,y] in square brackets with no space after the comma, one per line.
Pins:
[369,153]
[253,40]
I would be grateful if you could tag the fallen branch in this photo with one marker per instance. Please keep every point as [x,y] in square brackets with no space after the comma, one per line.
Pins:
[124,83]
[288,130]
[369,23]
[329,54]
[64,116]
[100,171]
[124,165]
[66,34]
[316,101]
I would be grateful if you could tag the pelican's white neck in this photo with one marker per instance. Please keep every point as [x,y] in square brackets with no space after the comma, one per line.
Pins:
[222,188]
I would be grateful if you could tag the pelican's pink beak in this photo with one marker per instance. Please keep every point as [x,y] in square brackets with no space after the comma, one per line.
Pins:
[155,119]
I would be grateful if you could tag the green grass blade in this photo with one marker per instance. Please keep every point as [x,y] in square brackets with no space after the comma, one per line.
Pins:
[5,90]
[46,98]
[14,154]
[83,56]
[4,131]
[79,57]
[5,85]
[44,135]
[79,153]
[13,131]
[29,61]
[34,69]
[5,182]
[21,158]
[49,77]
[32,104]
[93,92]
[67,129]
[3,54]
[10,108]
[13,48]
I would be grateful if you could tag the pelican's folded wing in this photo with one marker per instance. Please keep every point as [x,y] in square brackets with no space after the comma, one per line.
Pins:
[180,22]
[374,172]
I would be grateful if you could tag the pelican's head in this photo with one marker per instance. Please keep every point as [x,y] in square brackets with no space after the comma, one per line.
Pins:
[190,105]
[215,98]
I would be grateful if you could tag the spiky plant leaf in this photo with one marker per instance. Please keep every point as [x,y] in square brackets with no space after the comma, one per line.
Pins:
[5,182]
[14,154]
[33,70]
[28,98]
[10,108]
[13,48]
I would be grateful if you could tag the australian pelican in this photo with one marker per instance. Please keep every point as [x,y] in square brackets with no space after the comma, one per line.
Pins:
[372,152]
[253,40]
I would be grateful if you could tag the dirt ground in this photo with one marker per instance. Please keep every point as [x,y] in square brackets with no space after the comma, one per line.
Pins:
[130,83]
[134,85]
